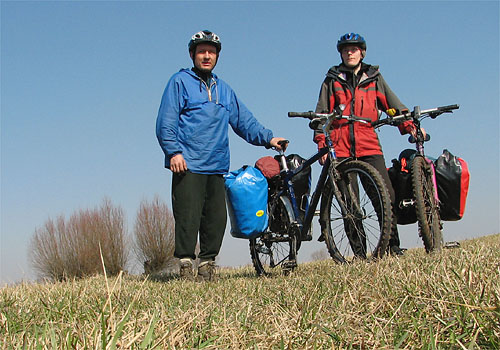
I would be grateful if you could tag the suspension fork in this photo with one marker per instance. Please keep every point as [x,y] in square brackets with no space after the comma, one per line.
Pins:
[420,151]
[332,171]
[346,196]
[432,170]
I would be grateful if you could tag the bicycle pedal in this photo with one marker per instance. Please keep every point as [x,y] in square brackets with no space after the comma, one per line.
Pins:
[405,203]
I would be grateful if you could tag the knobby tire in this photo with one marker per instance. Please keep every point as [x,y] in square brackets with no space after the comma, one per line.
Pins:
[426,206]
[367,217]
[278,245]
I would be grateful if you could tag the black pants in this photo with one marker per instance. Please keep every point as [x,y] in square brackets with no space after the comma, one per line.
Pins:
[199,206]
[378,162]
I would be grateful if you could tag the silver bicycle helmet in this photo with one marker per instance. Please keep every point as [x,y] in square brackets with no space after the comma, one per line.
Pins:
[204,36]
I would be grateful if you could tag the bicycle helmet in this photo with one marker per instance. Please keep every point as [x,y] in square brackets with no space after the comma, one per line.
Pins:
[351,39]
[204,36]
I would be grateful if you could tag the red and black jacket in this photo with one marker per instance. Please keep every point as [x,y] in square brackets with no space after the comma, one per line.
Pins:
[364,96]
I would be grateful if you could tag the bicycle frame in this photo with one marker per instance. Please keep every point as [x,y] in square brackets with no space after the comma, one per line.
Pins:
[330,164]
[288,192]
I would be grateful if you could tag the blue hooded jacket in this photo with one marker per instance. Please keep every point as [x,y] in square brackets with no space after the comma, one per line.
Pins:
[193,120]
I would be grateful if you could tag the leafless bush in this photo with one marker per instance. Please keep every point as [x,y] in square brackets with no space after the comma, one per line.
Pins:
[46,250]
[73,248]
[155,236]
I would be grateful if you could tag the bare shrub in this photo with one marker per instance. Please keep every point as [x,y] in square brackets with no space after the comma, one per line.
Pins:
[73,249]
[46,251]
[110,228]
[155,236]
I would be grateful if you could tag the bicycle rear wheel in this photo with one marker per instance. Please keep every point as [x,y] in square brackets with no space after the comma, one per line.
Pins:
[426,205]
[277,247]
[356,213]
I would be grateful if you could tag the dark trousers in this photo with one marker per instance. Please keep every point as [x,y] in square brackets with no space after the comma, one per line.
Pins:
[199,206]
[378,162]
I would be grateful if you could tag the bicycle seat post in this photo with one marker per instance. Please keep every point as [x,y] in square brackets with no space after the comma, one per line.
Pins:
[284,167]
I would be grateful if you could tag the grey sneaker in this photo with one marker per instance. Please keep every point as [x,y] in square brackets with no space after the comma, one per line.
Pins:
[186,270]
[206,271]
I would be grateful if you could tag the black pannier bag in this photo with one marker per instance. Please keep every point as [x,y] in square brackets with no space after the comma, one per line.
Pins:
[301,182]
[400,175]
[452,175]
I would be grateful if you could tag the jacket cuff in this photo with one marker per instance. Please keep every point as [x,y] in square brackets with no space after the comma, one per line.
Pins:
[406,127]
[320,140]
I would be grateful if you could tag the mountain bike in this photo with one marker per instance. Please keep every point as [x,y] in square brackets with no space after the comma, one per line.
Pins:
[355,210]
[423,177]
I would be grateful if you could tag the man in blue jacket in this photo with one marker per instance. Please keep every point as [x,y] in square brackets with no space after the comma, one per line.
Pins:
[192,128]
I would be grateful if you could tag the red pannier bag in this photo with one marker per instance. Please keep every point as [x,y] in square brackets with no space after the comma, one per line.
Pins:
[268,166]
[452,176]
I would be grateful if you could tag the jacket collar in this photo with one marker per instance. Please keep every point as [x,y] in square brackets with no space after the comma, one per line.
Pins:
[340,72]
[193,74]
[203,84]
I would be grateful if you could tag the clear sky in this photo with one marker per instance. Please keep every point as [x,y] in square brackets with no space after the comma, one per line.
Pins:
[81,84]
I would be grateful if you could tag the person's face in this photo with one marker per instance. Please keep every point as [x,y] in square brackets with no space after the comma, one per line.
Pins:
[351,55]
[204,57]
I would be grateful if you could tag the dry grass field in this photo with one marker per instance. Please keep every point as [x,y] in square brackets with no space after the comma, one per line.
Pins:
[418,301]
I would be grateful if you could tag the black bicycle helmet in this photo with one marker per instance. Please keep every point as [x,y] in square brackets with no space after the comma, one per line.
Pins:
[351,39]
[205,36]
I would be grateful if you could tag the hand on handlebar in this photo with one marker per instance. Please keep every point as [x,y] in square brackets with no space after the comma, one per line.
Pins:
[276,144]
[413,132]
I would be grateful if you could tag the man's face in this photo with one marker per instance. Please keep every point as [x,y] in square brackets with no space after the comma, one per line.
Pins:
[351,55]
[204,57]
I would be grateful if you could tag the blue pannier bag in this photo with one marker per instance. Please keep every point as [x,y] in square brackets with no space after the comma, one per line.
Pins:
[246,193]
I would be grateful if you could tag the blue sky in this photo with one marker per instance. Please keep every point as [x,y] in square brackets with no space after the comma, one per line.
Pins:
[81,84]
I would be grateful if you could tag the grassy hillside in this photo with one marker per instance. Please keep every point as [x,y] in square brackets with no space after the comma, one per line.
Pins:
[419,301]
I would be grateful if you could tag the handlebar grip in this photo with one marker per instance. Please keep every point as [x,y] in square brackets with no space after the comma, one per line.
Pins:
[382,122]
[282,143]
[448,108]
[308,115]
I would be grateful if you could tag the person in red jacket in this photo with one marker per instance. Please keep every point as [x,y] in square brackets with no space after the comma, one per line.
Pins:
[363,91]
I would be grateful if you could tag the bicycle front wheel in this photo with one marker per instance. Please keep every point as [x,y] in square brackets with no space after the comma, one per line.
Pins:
[356,212]
[426,205]
[277,247]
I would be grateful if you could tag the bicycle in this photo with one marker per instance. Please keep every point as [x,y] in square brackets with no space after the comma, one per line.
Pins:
[423,177]
[355,210]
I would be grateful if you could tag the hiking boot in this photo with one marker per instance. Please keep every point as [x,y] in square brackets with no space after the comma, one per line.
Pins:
[206,271]
[186,270]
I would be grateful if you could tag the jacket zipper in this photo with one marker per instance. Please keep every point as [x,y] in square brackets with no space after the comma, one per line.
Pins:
[351,125]
[209,88]
[365,80]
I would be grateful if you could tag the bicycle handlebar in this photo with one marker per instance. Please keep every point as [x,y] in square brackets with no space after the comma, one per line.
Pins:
[319,118]
[416,114]
[308,115]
